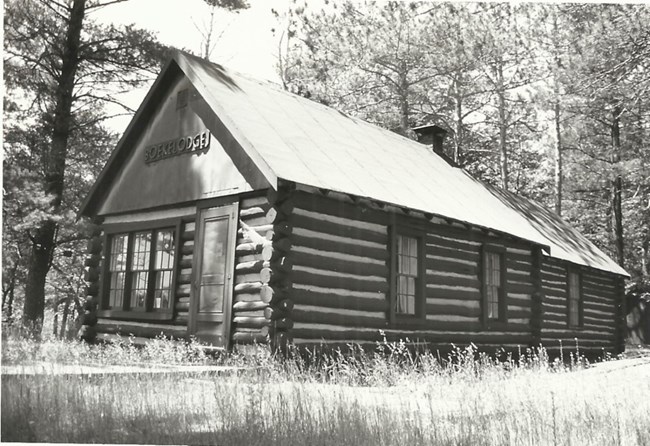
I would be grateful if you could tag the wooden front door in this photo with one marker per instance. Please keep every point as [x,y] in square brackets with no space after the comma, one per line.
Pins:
[212,288]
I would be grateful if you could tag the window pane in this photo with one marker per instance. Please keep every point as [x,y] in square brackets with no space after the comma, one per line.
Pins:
[118,253]
[141,251]
[213,265]
[139,282]
[161,299]
[414,247]
[403,304]
[164,250]
[211,299]
[401,285]
[494,309]
[410,309]
[413,270]
[163,289]
[116,290]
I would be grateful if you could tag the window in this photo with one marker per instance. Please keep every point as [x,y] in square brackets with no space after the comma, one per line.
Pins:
[117,270]
[574,301]
[407,274]
[181,98]
[494,281]
[408,296]
[139,273]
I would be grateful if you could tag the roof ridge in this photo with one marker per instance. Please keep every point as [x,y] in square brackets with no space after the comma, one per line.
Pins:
[277,87]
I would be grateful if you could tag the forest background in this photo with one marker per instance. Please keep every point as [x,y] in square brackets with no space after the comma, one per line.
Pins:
[550,101]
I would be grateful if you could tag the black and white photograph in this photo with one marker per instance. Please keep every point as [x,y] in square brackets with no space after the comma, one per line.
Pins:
[325,222]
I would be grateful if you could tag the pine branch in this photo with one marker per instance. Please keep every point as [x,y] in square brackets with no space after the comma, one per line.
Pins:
[100,5]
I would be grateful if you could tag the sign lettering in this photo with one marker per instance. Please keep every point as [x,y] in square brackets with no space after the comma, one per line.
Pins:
[199,143]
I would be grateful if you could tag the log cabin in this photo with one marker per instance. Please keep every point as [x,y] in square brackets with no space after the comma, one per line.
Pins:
[234,212]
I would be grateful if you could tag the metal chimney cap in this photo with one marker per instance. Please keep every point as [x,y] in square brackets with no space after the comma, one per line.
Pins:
[430,129]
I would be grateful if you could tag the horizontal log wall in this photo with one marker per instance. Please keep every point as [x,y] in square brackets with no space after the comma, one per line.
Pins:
[184,273]
[601,302]
[454,301]
[250,324]
[93,264]
[341,276]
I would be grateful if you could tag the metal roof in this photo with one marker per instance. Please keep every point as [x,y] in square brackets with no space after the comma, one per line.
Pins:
[566,242]
[309,143]
[315,145]
[292,138]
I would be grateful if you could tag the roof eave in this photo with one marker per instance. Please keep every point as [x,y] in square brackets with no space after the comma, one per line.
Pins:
[382,204]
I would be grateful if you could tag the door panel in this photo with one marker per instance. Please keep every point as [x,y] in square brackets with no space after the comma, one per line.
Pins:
[213,273]
[213,265]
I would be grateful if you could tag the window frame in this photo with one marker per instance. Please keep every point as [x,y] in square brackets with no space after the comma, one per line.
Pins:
[578,272]
[400,319]
[502,319]
[148,312]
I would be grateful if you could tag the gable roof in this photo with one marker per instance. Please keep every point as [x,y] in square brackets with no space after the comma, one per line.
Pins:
[292,138]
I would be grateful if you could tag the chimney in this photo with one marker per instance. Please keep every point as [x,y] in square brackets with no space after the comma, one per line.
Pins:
[434,135]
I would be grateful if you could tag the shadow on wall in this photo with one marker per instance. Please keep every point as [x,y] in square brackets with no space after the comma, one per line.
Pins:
[637,299]
[551,226]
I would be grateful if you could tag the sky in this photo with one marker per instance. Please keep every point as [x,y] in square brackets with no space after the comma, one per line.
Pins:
[247,45]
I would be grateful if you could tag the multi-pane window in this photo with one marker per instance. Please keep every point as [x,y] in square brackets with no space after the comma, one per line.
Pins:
[117,270]
[493,285]
[408,293]
[140,270]
[574,300]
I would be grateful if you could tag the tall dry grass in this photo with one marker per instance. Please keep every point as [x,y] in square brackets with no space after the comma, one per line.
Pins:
[381,399]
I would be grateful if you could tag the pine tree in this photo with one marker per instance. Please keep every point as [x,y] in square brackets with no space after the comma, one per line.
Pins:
[60,68]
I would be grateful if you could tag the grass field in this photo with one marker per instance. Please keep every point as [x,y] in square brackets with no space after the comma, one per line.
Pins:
[369,399]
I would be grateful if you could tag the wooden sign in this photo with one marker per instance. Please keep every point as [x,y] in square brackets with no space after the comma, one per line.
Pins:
[199,143]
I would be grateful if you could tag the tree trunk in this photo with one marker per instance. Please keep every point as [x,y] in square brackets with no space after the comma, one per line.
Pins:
[645,254]
[503,148]
[10,303]
[458,140]
[645,241]
[403,100]
[55,323]
[8,291]
[557,115]
[558,155]
[617,187]
[54,162]
[64,318]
